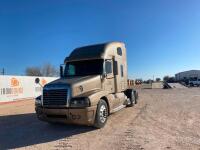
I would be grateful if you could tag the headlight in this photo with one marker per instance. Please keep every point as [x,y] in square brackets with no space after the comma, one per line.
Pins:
[38,100]
[80,102]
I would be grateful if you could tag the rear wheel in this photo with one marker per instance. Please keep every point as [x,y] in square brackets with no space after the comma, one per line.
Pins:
[101,114]
[131,95]
[136,97]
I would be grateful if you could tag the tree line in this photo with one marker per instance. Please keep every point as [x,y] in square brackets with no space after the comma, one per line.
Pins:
[46,70]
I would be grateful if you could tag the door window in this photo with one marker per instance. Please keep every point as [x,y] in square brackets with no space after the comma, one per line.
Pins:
[108,66]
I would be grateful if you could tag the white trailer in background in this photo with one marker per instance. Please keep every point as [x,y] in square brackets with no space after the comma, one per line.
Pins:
[14,88]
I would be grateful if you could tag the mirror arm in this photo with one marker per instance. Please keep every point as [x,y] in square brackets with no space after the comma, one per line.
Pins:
[40,85]
[37,81]
[61,71]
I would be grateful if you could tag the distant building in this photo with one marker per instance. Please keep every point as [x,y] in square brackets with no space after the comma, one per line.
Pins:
[188,75]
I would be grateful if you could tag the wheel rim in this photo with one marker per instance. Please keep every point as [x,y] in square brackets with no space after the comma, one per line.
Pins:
[103,113]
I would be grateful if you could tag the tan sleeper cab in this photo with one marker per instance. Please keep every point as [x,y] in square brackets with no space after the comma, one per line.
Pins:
[93,84]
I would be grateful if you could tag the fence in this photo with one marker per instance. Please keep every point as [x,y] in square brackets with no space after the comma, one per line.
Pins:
[21,87]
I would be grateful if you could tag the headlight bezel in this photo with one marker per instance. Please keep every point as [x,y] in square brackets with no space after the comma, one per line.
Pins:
[80,102]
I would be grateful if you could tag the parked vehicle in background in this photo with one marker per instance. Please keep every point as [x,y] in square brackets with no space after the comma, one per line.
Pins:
[138,81]
[194,82]
[93,84]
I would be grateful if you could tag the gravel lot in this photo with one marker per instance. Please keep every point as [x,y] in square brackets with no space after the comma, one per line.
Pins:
[163,119]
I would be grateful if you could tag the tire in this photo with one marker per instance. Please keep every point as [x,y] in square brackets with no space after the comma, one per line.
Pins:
[101,114]
[136,97]
[131,95]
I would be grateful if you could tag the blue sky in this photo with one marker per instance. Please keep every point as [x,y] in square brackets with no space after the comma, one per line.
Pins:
[162,36]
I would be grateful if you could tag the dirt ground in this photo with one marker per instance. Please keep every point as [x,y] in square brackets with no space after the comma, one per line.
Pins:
[163,119]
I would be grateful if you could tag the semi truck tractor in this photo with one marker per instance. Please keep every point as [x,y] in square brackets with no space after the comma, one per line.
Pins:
[93,84]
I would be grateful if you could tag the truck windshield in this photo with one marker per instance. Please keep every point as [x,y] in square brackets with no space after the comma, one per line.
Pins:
[84,68]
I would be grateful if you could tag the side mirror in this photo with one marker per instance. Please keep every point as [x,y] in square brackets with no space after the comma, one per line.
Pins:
[37,80]
[61,71]
[115,67]
[104,75]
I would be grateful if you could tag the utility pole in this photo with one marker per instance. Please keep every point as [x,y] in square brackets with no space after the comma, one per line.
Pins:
[3,71]
[152,82]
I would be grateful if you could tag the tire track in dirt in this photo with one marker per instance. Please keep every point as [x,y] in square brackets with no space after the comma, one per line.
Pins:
[162,119]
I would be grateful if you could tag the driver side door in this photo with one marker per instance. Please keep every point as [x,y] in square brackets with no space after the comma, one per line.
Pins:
[109,82]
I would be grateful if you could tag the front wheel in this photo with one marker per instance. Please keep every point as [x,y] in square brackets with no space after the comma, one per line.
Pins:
[101,114]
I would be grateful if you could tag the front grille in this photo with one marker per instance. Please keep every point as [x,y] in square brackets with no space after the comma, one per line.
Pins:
[55,97]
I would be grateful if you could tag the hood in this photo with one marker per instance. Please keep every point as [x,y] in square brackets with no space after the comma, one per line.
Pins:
[80,86]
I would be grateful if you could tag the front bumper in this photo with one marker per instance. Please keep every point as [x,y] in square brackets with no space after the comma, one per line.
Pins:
[82,116]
